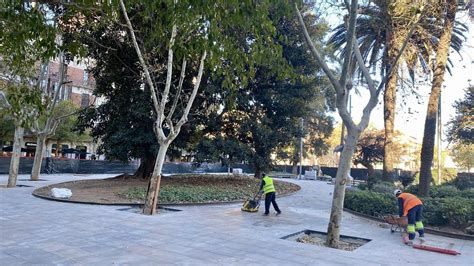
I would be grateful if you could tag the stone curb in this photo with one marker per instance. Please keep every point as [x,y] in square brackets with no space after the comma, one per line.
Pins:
[427,229]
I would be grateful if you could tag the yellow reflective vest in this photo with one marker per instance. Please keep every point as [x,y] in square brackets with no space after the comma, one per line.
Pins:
[268,187]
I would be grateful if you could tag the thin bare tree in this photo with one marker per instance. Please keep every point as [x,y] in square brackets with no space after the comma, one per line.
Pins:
[42,132]
[162,119]
[342,86]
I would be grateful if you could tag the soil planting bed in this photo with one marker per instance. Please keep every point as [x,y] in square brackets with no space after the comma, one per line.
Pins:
[348,243]
[177,189]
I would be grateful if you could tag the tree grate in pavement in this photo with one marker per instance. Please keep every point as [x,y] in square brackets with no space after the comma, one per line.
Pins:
[161,210]
[348,243]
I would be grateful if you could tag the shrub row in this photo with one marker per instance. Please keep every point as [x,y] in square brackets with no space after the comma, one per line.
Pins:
[371,203]
[453,211]
[445,192]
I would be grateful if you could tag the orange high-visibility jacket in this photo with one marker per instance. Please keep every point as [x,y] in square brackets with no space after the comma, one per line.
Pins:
[409,201]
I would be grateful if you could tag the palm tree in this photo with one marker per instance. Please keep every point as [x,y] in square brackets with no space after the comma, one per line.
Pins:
[442,53]
[380,29]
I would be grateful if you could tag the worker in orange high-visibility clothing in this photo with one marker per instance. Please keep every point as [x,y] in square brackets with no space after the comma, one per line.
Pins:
[411,206]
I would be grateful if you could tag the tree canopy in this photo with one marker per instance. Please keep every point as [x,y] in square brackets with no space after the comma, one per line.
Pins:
[461,126]
[263,117]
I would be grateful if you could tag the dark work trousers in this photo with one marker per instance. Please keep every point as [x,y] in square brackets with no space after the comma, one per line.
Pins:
[415,215]
[270,197]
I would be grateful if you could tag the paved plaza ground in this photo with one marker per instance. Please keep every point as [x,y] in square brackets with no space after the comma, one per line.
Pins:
[42,232]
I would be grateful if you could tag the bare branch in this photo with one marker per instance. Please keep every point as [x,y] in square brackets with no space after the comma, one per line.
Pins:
[169,73]
[316,54]
[140,57]
[60,84]
[178,91]
[184,117]
[341,94]
[350,40]
[365,71]
[3,101]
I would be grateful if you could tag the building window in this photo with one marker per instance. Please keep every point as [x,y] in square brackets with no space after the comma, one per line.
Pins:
[85,77]
[84,100]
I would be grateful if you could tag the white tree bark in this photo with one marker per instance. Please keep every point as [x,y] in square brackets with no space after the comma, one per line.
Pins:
[162,119]
[15,159]
[39,152]
[42,134]
[154,184]
[341,90]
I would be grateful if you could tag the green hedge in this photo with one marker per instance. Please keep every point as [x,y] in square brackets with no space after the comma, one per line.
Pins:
[384,187]
[464,181]
[371,203]
[453,211]
[445,191]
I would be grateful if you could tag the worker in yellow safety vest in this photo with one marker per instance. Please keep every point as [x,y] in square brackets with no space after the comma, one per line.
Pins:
[411,206]
[269,190]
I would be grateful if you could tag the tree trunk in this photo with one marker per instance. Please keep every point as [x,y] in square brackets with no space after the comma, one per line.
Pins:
[294,168]
[154,185]
[442,53]
[339,188]
[145,169]
[394,38]
[370,169]
[389,123]
[56,154]
[370,174]
[15,159]
[40,144]
[258,172]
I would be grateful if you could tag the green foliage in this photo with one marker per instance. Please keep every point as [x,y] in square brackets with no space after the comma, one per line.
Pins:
[453,211]
[371,203]
[384,187]
[7,128]
[236,34]
[369,149]
[194,193]
[376,22]
[460,127]
[65,130]
[124,122]
[25,104]
[406,179]
[463,155]
[263,117]
[464,181]
[373,179]
[466,193]
[26,37]
[444,191]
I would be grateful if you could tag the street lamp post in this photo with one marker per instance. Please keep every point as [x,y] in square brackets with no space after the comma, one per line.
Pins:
[439,139]
[301,150]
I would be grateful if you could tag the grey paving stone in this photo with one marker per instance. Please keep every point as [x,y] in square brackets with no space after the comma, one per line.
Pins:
[53,233]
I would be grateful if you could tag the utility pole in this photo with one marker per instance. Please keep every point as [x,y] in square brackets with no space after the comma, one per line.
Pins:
[439,139]
[301,150]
